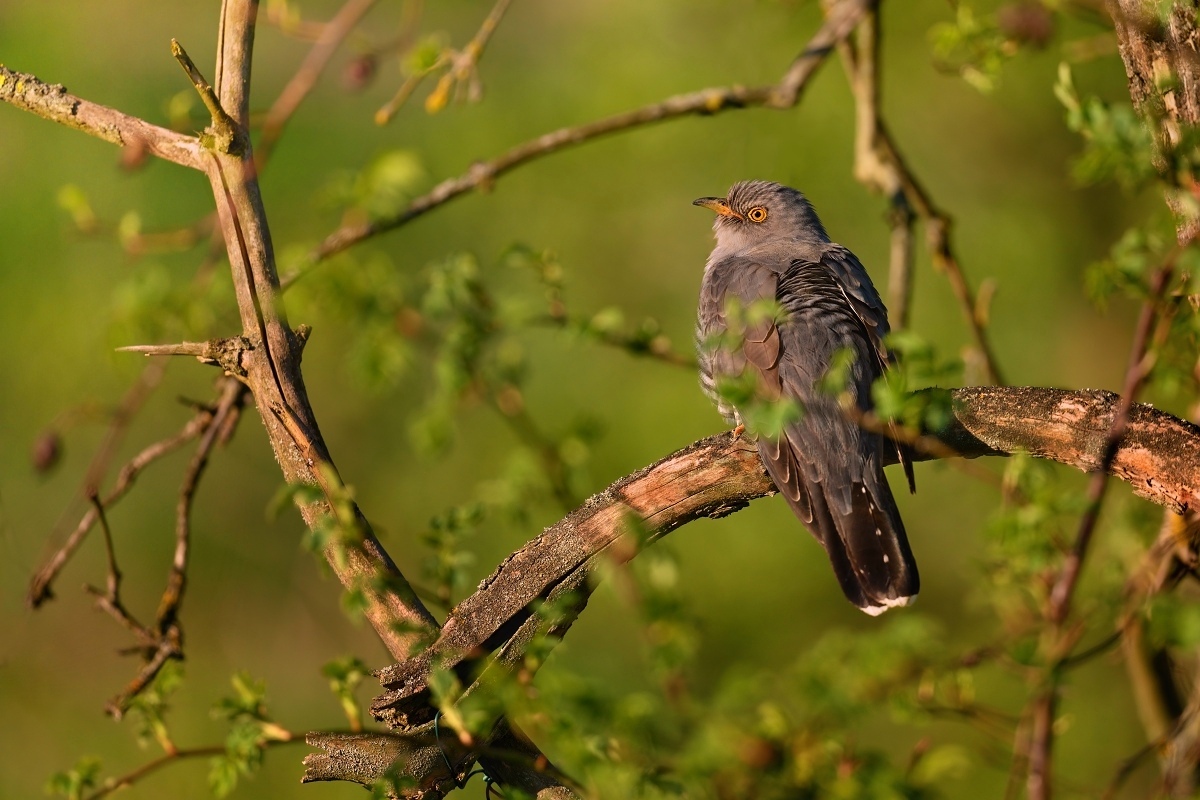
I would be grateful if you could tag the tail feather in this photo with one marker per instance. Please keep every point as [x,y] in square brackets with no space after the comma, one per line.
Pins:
[867,545]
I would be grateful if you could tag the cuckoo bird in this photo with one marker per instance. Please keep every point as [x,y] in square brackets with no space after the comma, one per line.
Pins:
[773,253]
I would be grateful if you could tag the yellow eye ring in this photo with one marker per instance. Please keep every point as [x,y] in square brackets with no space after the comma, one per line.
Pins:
[757,214]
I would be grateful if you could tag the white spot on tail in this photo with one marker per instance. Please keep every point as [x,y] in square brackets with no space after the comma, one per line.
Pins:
[876,610]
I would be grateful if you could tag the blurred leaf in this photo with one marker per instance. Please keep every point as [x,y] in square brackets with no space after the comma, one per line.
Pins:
[836,379]
[425,54]
[77,781]
[345,676]
[972,47]
[384,187]
[1173,622]
[74,201]
[939,763]
[148,708]
[248,699]
[1126,268]
[1117,145]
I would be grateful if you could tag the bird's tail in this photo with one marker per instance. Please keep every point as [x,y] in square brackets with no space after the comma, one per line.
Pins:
[859,526]
[867,546]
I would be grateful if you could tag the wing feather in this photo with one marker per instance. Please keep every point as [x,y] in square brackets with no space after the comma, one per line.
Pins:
[826,467]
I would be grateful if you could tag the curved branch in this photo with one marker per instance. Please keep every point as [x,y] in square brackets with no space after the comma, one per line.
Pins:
[785,94]
[1159,456]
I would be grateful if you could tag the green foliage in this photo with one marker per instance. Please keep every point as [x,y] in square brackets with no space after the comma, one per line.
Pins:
[1126,269]
[76,782]
[248,699]
[669,627]
[250,730]
[383,188]
[907,392]
[887,666]
[1126,273]
[972,47]
[449,561]
[1027,539]
[462,333]
[155,305]
[760,413]
[73,200]
[391,786]
[1117,144]
[345,675]
[469,715]
[1173,621]
[148,709]
[758,735]
[425,54]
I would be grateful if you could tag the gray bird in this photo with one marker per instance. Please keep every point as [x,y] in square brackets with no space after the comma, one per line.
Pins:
[772,247]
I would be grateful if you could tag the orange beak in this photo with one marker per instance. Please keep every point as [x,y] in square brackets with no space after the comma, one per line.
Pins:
[719,205]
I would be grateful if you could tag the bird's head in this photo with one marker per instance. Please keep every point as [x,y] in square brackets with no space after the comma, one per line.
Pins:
[756,212]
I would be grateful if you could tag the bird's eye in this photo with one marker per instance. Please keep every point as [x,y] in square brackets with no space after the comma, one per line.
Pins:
[757,214]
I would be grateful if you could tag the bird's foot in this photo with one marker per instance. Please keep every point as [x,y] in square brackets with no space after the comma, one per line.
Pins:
[738,431]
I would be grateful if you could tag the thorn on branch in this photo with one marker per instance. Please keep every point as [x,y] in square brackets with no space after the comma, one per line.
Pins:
[222,135]
[225,353]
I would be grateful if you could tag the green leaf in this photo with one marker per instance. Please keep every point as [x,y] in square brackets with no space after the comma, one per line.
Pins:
[248,699]
[222,775]
[1173,622]
[972,47]
[837,375]
[77,781]
[940,763]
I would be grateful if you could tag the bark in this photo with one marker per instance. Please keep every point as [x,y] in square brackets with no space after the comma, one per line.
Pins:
[486,635]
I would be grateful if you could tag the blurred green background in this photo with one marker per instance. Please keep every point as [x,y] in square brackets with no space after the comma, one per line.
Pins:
[617,213]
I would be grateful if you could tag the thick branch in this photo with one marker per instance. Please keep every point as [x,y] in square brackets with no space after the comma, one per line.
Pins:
[1159,457]
[1164,82]
[52,102]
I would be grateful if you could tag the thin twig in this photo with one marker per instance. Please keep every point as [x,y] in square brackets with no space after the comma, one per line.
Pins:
[841,20]
[1128,766]
[522,424]
[1135,375]
[168,646]
[937,233]
[861,58]
[333,33]
[109,600]
[463,63]
[197,349]
[40,585]
[134,399]
[658,348]
[233,395]
[879,165]
[1045,703]
[133,776]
